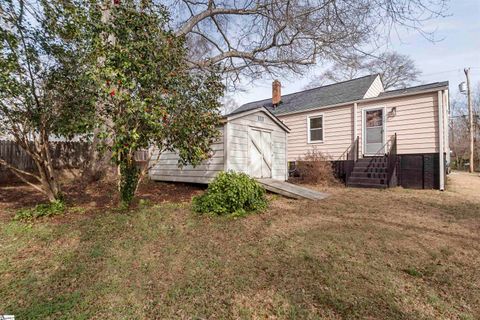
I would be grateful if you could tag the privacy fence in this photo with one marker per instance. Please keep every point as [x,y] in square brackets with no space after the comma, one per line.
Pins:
[65,155]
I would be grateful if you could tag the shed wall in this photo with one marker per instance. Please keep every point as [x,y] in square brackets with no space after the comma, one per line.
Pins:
[167,168]
[237,143]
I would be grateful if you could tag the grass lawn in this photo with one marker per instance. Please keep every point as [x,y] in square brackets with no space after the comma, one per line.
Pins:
[376,254]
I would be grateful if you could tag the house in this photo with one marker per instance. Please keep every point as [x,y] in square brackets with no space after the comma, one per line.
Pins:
[252,141]
[375,138]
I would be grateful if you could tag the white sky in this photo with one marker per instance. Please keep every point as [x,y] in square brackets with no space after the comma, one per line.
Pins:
[439,61]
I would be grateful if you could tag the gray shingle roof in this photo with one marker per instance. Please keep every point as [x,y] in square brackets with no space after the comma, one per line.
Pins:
[328,95]
[419,88]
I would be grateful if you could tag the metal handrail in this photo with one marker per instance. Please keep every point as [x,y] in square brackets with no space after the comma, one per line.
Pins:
[350,154]
[347,154]
[392,159]
[384,147]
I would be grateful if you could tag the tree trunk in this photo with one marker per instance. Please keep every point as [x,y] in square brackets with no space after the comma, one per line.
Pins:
[44,163]
[96,164]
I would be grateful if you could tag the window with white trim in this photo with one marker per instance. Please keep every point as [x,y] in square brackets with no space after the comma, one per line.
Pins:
[315,129]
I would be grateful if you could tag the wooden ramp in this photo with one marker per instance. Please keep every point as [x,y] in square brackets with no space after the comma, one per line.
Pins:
[291,190]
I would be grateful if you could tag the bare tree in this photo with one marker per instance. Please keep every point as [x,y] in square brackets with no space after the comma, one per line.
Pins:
[459,132]
[253,37]
[228,104]
[396,70]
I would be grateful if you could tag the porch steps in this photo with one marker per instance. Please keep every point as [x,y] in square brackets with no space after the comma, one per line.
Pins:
[291,190]
[369,172]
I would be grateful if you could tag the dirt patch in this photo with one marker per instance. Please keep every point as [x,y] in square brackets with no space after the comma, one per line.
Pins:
[96,196]
[17,196]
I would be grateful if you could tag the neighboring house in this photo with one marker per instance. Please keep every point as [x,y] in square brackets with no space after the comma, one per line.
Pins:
[253,141]
[377,138]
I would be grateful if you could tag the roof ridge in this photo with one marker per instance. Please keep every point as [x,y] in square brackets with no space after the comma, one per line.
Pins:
[341,82]
[328,85]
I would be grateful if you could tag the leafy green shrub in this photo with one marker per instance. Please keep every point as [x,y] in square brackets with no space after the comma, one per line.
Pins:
[231,193]
[41,210]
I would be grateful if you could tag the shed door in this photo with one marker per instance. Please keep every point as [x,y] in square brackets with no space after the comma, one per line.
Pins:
[260,153]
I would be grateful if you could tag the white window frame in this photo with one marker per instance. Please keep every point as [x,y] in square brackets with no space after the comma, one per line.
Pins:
[319,115]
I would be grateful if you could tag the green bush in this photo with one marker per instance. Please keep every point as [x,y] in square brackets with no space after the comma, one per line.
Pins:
[231,193]
[41,210]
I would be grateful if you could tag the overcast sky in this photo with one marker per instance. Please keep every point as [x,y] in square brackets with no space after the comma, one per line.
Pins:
[439,61]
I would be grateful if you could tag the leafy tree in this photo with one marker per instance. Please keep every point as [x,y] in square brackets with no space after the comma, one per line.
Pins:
[149,95]
[44,87]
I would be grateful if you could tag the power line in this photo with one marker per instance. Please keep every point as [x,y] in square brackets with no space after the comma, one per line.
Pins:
[446,71]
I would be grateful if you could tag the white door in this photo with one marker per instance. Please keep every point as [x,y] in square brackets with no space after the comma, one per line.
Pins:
[374,131]
[260,153]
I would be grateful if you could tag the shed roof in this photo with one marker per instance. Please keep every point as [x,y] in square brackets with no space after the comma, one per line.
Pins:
[332,94]
[242,113]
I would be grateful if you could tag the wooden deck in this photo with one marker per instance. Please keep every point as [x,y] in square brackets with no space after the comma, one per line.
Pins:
[291,190]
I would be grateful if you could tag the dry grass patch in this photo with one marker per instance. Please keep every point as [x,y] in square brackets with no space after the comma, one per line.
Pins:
[377,254]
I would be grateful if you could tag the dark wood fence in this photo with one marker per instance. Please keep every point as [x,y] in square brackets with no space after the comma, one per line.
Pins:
[65,155]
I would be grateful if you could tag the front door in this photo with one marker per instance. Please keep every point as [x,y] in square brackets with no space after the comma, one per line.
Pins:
[374,129]
[260,153]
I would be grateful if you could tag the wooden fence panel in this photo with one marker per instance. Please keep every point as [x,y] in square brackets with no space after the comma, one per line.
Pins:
[65,155]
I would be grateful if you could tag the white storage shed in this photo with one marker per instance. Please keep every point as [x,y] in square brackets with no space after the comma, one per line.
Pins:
[253,141]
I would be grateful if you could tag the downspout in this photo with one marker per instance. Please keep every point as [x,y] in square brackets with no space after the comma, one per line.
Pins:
[446,122]
[441,132]
[286,157]
[226,153]
[355,134]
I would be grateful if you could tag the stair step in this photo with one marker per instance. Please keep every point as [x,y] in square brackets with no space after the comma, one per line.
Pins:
[380,159]
[375,175]
[369,173]
[364,185]
[370,169]
[370,165]
[359,180]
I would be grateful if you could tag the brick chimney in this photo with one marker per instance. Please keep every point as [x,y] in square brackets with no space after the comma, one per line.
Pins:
[276,92]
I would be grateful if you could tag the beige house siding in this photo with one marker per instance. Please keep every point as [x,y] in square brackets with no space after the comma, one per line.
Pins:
[415,122]
[337,132]
[375,88]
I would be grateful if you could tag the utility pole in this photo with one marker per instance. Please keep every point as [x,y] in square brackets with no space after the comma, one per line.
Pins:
[470,117]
